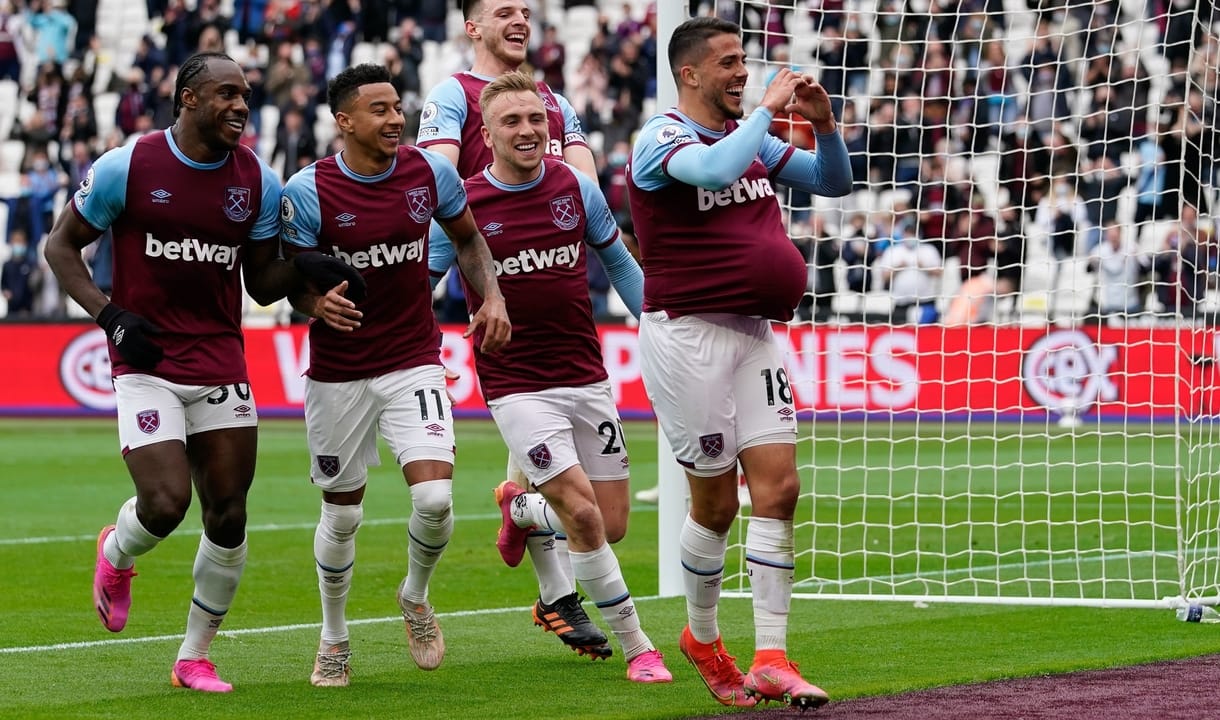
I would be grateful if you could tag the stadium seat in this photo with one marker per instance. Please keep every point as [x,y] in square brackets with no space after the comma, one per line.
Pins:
[104,106]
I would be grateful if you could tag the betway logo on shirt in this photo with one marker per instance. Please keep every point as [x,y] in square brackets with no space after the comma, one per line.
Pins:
[190,250]
[531,260]
[742,191]
[382,254]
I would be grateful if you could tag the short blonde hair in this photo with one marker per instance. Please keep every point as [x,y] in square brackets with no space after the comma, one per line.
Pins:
[515,81]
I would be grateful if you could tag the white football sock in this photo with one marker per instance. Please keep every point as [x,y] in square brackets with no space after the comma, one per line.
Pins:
[129,540]
[334,553]
[217,572]
[769,558]
[702,556]
[599,574]
[428,532]
[549,555]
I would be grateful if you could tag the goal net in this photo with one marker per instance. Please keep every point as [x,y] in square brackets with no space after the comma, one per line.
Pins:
[1006,363]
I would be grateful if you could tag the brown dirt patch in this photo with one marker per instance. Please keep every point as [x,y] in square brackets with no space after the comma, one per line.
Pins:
[1170,690]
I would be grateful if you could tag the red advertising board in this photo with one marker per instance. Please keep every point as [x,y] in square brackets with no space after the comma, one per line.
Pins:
[1011,372]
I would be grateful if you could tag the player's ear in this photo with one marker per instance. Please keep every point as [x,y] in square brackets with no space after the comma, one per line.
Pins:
[344,121]
[486,135]
[689,76]
[472,30]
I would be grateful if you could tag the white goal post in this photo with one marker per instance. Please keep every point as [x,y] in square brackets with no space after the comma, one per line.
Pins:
[1035,418]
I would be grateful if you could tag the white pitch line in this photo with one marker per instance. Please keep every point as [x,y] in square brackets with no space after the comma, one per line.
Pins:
[85,645]
[269,527]
[195,532]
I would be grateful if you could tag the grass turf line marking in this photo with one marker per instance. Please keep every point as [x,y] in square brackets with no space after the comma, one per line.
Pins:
[270,527]
[84,645]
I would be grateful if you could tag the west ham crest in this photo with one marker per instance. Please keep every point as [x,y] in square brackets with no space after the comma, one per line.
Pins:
[540,455]
[712,445]
[148,421]
[329,465]
[237,203]
[419,204]
[563,212]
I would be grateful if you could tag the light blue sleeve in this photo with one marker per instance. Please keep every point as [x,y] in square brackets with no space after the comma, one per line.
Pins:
[444,113]
[103,193]
[267,225]
[440,254]
[573,132]
[715,167]
[300,214]
[602,234]
[450,192]
[827,171]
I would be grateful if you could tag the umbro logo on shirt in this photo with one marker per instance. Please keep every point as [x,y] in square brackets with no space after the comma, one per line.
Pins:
[346,219]
[161,196]
[492,229]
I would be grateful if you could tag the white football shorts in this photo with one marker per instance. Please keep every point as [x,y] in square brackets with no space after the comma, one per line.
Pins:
[409,408]
[152,410]
[552,430]
[717,384]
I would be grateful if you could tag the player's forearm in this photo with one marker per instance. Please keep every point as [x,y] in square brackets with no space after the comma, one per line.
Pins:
[69,268]
[474,258]
[826,172]
[273,280]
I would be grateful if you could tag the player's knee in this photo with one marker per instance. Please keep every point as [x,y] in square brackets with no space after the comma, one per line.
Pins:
[225,524]
[433,499]
[584,522]
[616,527]
[163,511]
[342,520]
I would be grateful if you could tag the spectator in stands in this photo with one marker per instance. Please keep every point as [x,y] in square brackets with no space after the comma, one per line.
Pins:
[295,144]
[589,93]
[1119,265]
[1100,186]
[99,256]
[1184,266]
[79,159]
[10,36]
[613,181]
[48,96]
[53,30]
[176,28]
[860,249]
[1153,200]
[821,251]
[1047,76]
[1062,218]
[19,276]
[283,73]
[39,184]
[409,45]
[148,56]
[339,48]
[248,19]
[432,16]
[80,125]
[910,269]
[549,58]
[132,102]
[628,82]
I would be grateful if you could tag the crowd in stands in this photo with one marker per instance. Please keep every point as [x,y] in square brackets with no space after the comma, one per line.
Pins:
[1053,162]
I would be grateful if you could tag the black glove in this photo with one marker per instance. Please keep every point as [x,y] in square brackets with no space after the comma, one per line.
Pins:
[129,333]
[326,271]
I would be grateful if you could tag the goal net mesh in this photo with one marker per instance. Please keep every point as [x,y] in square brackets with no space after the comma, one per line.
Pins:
[1005,364]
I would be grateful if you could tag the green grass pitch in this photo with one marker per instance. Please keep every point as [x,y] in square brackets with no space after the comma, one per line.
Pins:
[62,480]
